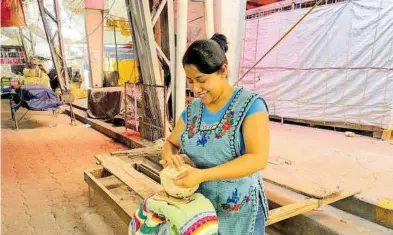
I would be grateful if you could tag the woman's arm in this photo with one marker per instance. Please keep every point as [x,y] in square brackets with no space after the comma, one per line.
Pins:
[171,148]
[255,131]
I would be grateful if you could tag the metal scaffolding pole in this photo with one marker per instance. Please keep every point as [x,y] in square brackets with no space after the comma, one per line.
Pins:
[55,41]
[56,46]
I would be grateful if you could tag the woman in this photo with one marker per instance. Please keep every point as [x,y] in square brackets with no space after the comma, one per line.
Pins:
[225,133]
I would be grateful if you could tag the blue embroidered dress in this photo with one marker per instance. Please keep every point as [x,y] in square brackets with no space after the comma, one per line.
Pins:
[236,201]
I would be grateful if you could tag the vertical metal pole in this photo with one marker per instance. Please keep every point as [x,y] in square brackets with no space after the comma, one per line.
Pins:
[61,44]
[55,56]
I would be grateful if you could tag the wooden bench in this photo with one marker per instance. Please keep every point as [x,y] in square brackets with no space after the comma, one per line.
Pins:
[126,177]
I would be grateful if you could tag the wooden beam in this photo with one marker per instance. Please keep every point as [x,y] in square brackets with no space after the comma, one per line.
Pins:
[145,14]
[181,47]
[209,18]
[162,54]
[294,209]
[158,12]
[123,212]
[138,182]
[233,13]
[291,210]
[141,152]
[172,52]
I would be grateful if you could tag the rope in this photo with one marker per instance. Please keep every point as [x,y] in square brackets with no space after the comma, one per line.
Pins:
[278,42]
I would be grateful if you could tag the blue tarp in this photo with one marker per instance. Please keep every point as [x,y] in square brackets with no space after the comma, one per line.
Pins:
[36,98]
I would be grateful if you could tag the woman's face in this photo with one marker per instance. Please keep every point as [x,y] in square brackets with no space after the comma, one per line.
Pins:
[207,87]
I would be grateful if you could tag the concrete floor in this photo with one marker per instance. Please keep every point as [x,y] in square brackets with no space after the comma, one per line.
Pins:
[318,162]
[42,186]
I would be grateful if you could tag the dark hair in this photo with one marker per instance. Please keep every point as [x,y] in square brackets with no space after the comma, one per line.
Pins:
[207,55]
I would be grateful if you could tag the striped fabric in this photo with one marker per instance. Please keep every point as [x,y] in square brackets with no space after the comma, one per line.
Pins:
[195,216]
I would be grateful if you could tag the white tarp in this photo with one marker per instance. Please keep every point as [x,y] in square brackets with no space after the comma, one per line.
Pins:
[337,65]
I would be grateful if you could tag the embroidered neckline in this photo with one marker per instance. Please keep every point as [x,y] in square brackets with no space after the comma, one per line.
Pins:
[221,129]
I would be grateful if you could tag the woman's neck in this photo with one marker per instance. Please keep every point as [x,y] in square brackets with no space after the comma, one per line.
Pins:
[222,100]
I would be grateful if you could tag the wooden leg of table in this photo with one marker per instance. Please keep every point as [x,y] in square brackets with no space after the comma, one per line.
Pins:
[90,204]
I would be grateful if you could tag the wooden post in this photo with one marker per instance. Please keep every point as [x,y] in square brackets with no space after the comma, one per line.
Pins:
[180,83]
[95,39]
[209,18]
[233,13]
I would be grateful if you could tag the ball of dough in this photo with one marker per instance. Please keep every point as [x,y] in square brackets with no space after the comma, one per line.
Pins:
[167,176]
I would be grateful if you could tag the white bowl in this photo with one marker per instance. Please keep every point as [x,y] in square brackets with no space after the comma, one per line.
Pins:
[167,176]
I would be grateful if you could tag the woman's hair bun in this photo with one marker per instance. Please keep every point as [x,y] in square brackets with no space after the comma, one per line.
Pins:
[221,39]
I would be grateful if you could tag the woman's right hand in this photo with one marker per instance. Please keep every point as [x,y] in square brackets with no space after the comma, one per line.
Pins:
[175,160]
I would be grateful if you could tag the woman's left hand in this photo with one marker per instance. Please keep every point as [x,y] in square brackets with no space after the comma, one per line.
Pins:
[190,178]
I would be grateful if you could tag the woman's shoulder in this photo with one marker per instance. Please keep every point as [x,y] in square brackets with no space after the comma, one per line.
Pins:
[247,92]
[257,102]
[193,106]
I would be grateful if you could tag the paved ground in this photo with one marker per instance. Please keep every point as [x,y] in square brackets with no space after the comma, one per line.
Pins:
[42,186]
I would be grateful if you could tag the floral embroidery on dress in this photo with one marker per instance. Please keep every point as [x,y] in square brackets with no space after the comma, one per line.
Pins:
[191,128]
[226,126]
[202,140]
[234,203]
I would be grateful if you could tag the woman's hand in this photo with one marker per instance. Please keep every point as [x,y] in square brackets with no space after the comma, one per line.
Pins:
[173,160]
[176,160]
[190,178]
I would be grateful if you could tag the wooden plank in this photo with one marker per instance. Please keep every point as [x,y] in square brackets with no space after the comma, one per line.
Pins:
[162,54]
[336,197]
[144,187]
[291,210]
[297,183]
[124,212]
[294,209]
[154,151]
[344,125]
[110,182]
[151,47]
[126,197]
[137,181]
[148,59]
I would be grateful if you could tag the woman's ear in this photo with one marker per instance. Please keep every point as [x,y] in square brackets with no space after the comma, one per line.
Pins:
[224,71]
